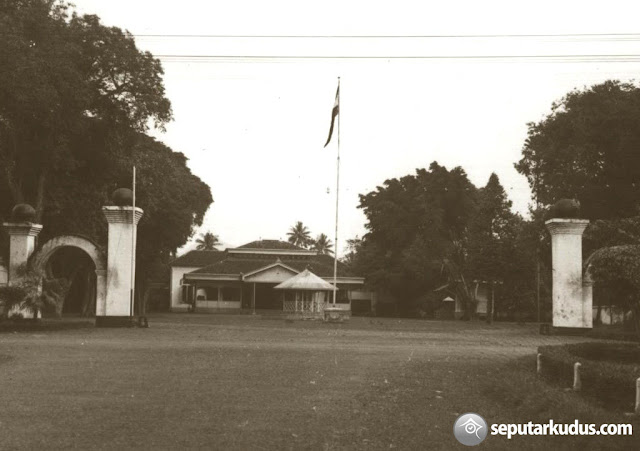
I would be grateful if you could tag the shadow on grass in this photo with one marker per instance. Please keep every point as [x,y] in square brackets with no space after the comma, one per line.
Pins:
[43,325]
[614,332]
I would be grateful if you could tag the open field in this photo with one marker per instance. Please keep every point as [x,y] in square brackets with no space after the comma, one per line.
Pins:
[242,382]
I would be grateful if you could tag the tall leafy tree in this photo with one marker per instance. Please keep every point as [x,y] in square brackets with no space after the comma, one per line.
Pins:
[322,244]
[76,98]
[413,223]
[354,246]
[61,76]
[491,232]
[587,148]
[299,235]
[492,253]
[207,242]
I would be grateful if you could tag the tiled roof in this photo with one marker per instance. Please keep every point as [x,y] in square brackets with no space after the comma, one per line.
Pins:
[199,258]
[321,265]
[270,244]
[232,265]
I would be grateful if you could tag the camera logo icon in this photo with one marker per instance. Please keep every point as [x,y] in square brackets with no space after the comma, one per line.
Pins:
[470,429]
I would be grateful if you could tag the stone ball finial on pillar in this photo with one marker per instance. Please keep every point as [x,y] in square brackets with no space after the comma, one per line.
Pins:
[122,197]
[23,213]
[566,209]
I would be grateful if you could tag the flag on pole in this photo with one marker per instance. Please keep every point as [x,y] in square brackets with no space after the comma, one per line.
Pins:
[334,113]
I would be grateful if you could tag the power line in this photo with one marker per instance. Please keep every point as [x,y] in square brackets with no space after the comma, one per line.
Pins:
[444,36]
[562,58]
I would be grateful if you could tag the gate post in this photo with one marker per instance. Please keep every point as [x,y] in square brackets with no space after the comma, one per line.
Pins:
[571,308]
[123,223]
[22,233]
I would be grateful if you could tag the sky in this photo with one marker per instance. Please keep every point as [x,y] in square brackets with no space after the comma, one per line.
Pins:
[252,85]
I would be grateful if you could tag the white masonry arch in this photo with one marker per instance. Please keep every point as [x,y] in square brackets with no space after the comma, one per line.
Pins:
[95,252]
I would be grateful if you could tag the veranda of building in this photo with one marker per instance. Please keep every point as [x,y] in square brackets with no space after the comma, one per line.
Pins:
[244,278]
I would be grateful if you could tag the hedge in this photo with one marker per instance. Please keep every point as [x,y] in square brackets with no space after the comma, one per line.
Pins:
[608,372]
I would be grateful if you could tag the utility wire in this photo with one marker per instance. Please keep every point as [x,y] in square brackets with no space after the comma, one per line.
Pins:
[561,58]
[452,36]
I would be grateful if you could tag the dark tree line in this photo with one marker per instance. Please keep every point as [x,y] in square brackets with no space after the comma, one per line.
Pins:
[436,229]
[587,148]
[76,101]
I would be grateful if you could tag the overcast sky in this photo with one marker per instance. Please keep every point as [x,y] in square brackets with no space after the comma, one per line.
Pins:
[254,128]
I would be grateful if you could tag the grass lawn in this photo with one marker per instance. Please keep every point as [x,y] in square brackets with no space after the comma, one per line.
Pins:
[242,382]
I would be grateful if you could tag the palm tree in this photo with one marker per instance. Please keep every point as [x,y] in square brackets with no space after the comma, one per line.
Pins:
[207,242]
[323,244]
[299,235]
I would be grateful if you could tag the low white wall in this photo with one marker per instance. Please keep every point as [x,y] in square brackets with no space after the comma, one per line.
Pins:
[218,304]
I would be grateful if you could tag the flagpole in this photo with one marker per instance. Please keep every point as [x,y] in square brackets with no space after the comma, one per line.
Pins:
[335,253]
[133,243]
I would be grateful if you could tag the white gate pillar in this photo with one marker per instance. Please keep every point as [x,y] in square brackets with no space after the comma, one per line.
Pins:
[22,242]
[570,309]
[123,224]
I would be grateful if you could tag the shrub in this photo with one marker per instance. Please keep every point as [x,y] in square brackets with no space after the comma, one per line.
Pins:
[608,372]
[34,293]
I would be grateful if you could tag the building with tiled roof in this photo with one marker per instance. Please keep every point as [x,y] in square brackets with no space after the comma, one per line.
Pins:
[244,277]
[198,258]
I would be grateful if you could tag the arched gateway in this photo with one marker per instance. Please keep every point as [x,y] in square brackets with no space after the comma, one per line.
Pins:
[97,255]
[114,282]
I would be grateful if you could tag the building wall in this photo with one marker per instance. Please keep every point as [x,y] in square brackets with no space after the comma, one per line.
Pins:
[211,297]
[177,272]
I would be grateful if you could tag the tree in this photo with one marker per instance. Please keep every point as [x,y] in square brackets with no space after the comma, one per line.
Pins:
[322,244]
[354,246]
[299,235]
[61,77]
[492,239]
[76,99]
[207,242]
[173,199]
[413,223]
[587,148]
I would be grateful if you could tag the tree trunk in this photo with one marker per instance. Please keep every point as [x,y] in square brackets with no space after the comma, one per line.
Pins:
[598,319]
[14,186]
[40,194]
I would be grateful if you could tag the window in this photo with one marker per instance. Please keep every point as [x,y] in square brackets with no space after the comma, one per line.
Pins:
[342,296]
[211,293]
[230,294]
